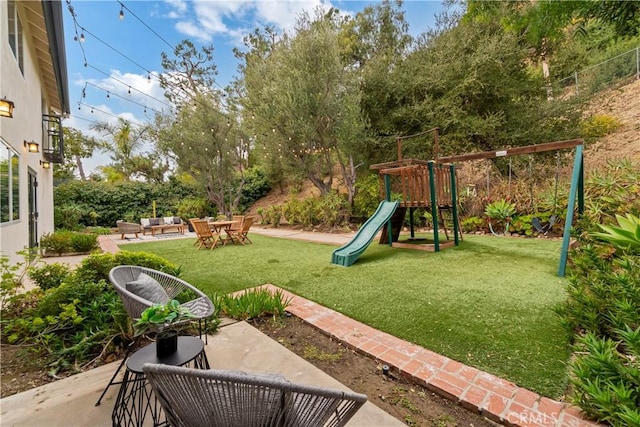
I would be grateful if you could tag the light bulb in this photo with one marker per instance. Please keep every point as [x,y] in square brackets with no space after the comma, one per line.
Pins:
[82,37]
[121,16]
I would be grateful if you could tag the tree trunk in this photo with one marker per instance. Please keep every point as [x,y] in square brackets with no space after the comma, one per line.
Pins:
[80,168]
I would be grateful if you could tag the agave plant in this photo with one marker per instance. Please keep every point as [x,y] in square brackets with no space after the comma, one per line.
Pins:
[626,236]
[500,211]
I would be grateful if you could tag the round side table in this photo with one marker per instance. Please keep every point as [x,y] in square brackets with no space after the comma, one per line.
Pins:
[136,398]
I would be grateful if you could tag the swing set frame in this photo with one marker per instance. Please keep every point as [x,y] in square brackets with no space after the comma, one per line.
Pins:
[577,180]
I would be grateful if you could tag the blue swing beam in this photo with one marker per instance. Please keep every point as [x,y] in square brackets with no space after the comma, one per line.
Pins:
[577,180]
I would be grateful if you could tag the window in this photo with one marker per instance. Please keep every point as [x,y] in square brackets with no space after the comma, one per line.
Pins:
[9,184]
[15,33]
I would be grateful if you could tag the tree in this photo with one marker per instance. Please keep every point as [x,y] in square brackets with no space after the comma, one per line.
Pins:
[77,147]
[189,74]
[473,82]
[124,144]
[208,146]
[374,44]
[306,116]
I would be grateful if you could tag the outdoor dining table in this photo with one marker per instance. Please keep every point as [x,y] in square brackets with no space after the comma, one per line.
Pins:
[220,226]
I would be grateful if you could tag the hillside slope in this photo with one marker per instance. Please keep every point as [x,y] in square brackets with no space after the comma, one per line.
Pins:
[622,103]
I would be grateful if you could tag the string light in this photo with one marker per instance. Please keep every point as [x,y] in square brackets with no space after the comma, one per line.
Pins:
[82,37]
[121,16]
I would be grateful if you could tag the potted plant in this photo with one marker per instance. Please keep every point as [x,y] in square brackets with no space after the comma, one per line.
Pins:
[500,214]
[160,317]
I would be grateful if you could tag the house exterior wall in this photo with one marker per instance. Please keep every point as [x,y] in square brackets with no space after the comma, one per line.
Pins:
[29,96]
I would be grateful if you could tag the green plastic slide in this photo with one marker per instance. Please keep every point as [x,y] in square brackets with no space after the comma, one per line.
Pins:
[348,254]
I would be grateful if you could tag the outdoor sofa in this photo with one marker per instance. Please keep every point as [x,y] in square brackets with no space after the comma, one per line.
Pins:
[162,224]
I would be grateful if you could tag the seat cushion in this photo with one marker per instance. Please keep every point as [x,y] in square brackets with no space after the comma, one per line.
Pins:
[168,220]
[145,222]
[177,220]
[148,288]
[154,221]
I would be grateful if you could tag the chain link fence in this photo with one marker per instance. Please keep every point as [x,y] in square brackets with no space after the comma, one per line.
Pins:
[620,68]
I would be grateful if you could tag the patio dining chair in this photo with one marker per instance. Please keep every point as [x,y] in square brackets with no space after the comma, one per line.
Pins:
[195,397]
[235,228]
[242,235]
[141,287]
[206,236]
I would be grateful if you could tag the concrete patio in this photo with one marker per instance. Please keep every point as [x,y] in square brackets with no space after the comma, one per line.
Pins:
[238,346]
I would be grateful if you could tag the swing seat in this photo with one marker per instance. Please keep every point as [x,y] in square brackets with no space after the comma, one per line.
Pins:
[537,224]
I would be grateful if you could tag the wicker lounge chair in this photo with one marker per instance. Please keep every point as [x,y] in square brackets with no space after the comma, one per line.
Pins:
[128,228]
[161,288]
[194,398]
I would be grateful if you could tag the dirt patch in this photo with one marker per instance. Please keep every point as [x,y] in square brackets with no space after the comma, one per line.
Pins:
[408,402]
[20,370]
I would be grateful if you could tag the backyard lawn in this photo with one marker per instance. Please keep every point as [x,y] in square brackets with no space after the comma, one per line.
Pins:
[487,303]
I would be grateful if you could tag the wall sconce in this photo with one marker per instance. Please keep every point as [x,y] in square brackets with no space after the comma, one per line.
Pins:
[45,165]
[32,147]
[6,108]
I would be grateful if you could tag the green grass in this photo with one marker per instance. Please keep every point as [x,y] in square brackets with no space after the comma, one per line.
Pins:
[487,303]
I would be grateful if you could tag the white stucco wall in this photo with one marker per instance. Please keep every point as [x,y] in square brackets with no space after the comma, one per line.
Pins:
[26,125]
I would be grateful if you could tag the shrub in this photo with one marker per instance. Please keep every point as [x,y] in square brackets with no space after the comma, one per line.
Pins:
[193,208]
[83,242]
[78,317]
[65,241]
[255,186]
[601,314]
[96,267]
[367,197]
[11,275]
[606,380]
[598,125]
[49,275]
[252,303]
[472,224]
[273,215]
[333,210]
[523,226]
[67,215]
[57,243]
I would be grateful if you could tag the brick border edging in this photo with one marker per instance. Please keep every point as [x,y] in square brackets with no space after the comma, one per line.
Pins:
[493,397]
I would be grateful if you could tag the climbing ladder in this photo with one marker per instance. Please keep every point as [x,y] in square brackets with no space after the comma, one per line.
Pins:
[446,220]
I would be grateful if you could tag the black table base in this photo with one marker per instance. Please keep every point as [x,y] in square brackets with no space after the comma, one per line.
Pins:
[136,400]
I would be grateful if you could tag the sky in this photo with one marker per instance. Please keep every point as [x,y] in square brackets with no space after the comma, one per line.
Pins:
[113,72]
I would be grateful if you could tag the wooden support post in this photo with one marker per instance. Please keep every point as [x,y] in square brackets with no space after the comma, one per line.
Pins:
[387,196]
[434,207]
[454,203]
[411,222]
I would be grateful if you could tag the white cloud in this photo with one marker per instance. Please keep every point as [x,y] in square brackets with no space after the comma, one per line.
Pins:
[285,13]
[237,18]
[191,29]
[178,7]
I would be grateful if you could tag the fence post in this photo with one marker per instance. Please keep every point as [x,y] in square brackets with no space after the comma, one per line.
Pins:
[576,79]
